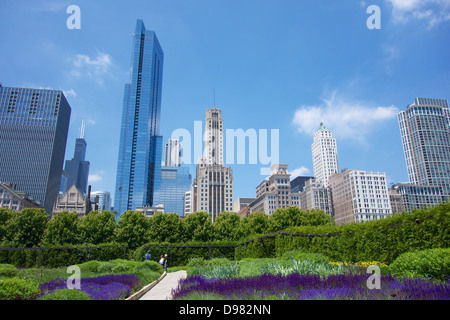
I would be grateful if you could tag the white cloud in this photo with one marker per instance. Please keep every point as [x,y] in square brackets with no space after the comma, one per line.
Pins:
[70,93]
[302,171]
[96,177]
[92,67]
[351,120]
[431,11]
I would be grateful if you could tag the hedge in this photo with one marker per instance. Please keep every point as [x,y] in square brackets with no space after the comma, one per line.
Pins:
[179,254]
[70,255]
[379,240]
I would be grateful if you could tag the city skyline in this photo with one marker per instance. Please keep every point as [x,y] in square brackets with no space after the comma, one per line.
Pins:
[322,64]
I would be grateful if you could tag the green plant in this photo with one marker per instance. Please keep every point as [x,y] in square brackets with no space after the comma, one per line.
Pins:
[432,263]
[7,270]
[300,256]
[91,266]
[150,265]
[67,294]
[19,289]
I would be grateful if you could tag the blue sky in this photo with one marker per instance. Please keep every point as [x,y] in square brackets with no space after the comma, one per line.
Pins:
[274,64]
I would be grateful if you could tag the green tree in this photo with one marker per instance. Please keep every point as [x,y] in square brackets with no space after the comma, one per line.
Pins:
[62,229]
[26,228]
[98,227]
[5,215]
[226,226]
[286,217]
[198,226]
[132,229]
[166,227]
[255,223]
[317,217]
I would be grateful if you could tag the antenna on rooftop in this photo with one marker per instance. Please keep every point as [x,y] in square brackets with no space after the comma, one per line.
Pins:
[82,129]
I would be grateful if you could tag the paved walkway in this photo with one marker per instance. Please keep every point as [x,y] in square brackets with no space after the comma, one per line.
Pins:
[162,291]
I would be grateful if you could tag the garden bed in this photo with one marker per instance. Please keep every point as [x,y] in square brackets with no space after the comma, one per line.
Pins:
[100,280]
[306,276]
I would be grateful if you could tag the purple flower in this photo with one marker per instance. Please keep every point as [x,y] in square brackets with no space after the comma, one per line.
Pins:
[107,287]
[306,287]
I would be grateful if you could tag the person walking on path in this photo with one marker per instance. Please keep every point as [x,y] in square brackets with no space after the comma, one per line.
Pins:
[148,256]
[165,262]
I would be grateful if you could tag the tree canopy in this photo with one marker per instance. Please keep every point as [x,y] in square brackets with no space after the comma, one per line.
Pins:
[32,227]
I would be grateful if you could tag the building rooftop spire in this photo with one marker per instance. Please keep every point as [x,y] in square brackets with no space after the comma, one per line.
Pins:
[322,127]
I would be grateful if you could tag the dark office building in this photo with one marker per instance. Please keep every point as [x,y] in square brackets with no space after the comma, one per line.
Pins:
[298,184]
[33,133]
[78,168]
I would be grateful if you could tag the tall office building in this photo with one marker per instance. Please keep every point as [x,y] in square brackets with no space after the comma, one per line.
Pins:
[77,169]
[189,201]
[274,192]
[425,132]
[173,153]
[104,200]
[298,183]
[316,196]
[359,196]
[325,156]
[409,196]
[175,182]
[214,180]
[140,146]
[33,133]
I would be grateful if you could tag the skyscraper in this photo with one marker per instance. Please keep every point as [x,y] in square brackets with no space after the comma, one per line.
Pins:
[140,146]
[104,200]
[324,153]
[175,182]
[425,132]
[359,196]
[214,180]
[33,133]
[274,192]
[173,152]
[77,169]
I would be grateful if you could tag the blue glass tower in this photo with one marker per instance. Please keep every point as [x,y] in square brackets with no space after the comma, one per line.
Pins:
[140,146]
[175,181]
[33,133]
[425,131]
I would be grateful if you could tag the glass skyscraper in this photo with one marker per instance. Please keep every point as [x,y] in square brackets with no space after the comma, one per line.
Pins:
[33,133]
[140,146]
[425,132]
[175,182]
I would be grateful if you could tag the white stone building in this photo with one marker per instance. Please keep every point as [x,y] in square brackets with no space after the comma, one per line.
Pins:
[359,196]
[275,192]
[324,154]
[214,181]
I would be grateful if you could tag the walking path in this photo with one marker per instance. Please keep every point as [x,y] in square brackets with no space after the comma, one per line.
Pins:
[162,291]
